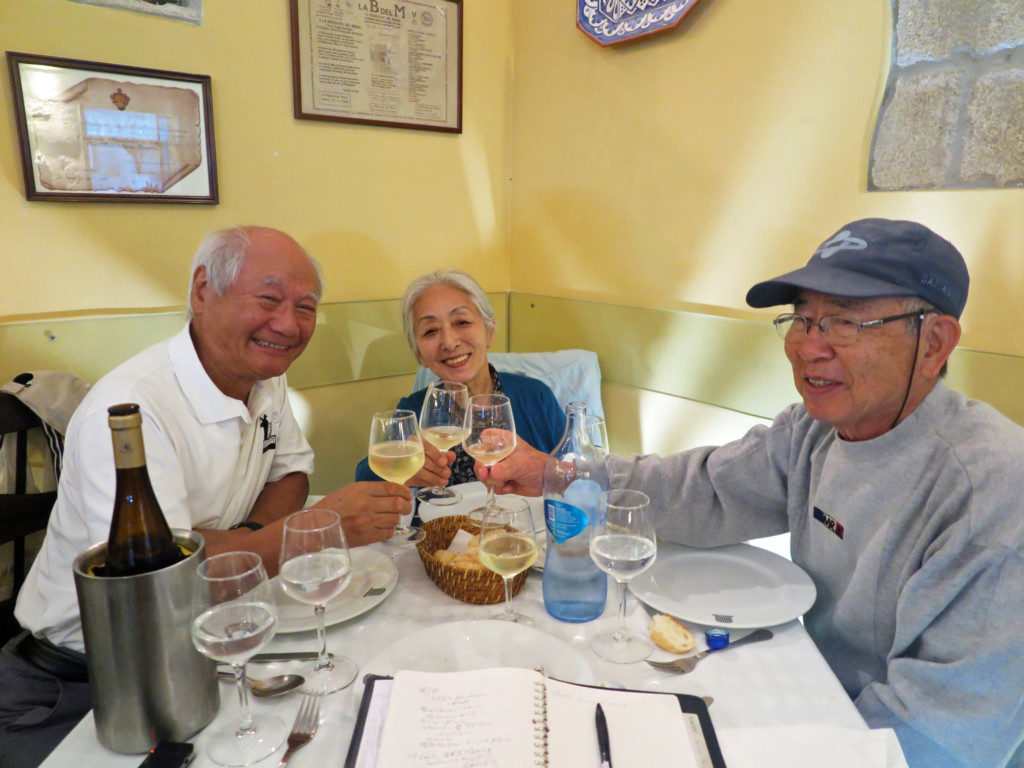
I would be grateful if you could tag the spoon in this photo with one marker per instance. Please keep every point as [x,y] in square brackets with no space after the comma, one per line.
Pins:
[272,686]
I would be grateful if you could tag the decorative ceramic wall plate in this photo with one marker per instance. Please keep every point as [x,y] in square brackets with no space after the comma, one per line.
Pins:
[613,21]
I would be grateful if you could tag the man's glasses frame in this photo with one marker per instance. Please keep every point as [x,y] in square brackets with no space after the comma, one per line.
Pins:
[837,330]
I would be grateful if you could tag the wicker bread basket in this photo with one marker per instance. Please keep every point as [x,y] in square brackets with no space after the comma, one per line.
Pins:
[478,586]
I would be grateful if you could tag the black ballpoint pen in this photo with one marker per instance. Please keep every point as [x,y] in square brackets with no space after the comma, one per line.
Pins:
[602,738]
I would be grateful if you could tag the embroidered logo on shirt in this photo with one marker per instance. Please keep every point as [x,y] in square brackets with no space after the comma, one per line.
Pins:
[829,522]
[269,438]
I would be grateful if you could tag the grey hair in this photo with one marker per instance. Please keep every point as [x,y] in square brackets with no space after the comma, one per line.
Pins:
[221,253]
[456,279]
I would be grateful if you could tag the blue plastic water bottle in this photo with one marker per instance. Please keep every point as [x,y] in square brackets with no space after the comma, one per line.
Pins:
[575,476]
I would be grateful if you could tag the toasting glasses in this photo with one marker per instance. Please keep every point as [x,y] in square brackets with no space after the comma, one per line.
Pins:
[443,423]
[233,617]
[490,437]
[623,545]
[396,454]
[316,566]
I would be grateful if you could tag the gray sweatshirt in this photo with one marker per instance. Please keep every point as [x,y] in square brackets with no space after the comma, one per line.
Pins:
[915,542]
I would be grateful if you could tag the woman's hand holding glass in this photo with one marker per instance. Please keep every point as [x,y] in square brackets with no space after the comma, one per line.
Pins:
[396,454]
[623,545]
[233,618]
[443,425]
[508,546]
[315,567]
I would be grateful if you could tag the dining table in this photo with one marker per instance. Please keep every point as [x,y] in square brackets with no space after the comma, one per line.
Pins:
[773,703]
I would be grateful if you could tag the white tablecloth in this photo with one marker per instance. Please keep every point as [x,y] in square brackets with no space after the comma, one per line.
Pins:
[776,703]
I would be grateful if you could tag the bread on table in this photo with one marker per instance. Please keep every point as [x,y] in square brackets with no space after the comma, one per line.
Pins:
[669,634]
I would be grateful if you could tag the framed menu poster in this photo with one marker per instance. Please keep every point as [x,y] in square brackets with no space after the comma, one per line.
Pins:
[394,63]
[97,132]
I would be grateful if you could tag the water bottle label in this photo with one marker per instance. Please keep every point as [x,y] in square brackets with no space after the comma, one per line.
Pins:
[564,520]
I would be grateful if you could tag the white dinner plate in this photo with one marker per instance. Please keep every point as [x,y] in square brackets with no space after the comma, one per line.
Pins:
[464,645]
[370,568]
[737,586]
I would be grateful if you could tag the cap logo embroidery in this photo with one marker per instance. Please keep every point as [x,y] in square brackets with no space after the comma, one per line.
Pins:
[843,241]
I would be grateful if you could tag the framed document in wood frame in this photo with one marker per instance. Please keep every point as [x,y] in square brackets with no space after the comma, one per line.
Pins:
[94,132]
[394,63]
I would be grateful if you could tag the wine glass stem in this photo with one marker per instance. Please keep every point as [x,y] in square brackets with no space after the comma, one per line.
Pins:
[247,725]
[490,494]
[323,660]
[622,633]
[508,595]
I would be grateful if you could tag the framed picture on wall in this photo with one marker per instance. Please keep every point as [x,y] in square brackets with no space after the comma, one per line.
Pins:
[94,132]
[379,62]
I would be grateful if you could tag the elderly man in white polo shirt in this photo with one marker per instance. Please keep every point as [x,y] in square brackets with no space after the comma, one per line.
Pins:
[225,456]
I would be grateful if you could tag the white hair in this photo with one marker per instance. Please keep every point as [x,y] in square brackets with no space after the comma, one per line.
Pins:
[454,278]
[221,254]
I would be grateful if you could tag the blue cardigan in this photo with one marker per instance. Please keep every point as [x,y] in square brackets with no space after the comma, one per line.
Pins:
[539,419]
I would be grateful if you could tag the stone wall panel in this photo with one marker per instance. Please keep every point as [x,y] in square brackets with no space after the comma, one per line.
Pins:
[993,151]
[914,142]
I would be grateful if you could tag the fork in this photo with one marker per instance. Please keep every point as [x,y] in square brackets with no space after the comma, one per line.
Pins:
[304,729]
[687,663]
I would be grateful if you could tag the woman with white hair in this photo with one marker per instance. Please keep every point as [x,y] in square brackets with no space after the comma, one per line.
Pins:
[450,326]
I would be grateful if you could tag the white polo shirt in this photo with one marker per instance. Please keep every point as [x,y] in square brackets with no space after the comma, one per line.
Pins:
[209,457]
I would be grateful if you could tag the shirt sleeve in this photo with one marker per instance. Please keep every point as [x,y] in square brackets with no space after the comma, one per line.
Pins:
[713,496]
[293,453]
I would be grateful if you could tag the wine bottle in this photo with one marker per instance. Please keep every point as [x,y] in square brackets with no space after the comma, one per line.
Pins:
[575,476]
[140,540]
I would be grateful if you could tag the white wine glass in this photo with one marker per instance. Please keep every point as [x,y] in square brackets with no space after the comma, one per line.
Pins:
[623,545]
[315,567]
[508,546]
[396,454]
[598,434]
[443,424]
[490,436]
[233,617]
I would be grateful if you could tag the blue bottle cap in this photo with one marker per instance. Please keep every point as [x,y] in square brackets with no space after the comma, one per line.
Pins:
[716,639]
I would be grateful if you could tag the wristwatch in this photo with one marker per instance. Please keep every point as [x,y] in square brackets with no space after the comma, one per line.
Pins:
[251,525]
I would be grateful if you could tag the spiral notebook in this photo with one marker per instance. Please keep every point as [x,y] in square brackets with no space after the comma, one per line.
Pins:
[513,718]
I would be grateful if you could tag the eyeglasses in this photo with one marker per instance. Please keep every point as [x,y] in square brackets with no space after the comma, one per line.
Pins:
[836,330]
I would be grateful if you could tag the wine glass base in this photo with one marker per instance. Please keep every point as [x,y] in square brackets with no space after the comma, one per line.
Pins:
[440,497]
[406,536]
[518,618]
[231,746]
[335,676]
[619,651]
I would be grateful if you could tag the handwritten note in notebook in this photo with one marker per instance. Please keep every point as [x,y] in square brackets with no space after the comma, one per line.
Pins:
[511,718]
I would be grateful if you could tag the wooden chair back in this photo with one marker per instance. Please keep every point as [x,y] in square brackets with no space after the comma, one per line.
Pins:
[21,513]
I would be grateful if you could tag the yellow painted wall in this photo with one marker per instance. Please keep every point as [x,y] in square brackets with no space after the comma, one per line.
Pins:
[676,171]
[376,205]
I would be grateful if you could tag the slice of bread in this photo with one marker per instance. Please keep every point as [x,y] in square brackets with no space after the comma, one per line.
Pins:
[669,634]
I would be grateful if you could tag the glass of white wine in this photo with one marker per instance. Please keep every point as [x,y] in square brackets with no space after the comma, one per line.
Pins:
[490,436]
[443,424]
[396,454]
[508,546]
[233,617]
[315,567]
[624,545]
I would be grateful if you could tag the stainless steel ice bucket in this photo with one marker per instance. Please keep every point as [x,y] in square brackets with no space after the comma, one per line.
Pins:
[149,683]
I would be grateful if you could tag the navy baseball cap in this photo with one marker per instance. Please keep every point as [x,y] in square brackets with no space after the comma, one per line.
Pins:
[877,257]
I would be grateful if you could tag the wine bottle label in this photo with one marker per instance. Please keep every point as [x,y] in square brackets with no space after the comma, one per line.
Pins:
[564,520]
